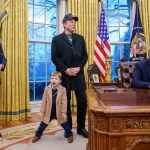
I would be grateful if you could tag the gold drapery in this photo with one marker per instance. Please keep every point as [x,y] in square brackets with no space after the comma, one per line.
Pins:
[144,6]
[86,26]
[14,94]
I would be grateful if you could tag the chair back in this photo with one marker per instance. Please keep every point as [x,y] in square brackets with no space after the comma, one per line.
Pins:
[126,73]
[93,69]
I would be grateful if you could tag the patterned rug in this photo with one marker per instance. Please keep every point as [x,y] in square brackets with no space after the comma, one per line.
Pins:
[19,137]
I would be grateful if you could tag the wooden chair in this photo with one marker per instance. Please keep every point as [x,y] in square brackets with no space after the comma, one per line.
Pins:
[93,69]
[126,73]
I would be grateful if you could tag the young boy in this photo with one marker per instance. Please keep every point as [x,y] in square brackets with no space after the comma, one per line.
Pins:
[54,106]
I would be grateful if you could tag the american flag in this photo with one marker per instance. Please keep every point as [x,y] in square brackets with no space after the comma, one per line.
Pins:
[102,46]
[133,50]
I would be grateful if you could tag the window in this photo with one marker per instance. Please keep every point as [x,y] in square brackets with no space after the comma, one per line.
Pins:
[118,23]
[42,28]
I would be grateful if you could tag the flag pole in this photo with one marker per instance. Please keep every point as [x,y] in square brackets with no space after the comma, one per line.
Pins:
[102,7]
[137,16]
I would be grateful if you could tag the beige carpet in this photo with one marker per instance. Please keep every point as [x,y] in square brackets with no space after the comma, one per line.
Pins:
[19,138]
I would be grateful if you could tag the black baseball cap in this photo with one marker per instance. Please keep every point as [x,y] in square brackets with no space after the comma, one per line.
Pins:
[69,17]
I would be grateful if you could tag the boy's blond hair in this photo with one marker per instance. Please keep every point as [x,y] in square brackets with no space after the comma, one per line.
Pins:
[56,73]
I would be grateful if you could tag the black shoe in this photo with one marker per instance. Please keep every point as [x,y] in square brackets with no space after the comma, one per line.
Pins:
[83,132]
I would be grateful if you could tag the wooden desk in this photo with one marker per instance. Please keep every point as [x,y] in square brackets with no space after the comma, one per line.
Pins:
[122,126]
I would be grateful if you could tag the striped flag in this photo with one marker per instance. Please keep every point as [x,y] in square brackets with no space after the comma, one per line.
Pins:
[102,46]
[138,44]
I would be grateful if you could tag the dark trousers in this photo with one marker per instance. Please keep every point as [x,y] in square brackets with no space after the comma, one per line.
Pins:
[81,109]
[65,126]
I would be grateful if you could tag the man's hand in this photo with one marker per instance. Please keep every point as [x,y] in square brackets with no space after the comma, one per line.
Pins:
[72,71]
[64,116]
[75,70]
[1,66]
[69,72]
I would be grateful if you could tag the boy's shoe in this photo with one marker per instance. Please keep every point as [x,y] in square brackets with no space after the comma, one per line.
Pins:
[35,139]
[70,139]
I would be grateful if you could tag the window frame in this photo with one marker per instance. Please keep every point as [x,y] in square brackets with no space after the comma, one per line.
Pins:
[35,41]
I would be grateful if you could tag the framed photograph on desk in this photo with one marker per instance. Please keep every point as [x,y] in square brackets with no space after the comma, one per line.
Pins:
[95,78]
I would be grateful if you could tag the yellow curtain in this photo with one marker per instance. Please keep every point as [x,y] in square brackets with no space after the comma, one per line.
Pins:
[144,6]
[87,11]
[14,94]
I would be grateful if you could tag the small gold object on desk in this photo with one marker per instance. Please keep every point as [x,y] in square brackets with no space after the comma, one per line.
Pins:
[108,75]
[114,93]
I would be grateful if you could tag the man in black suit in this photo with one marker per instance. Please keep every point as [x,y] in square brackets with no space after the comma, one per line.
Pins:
[141,74]
[69,54]
[2,64]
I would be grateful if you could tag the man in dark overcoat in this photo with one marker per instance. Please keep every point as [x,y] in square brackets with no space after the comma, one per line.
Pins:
[69,55]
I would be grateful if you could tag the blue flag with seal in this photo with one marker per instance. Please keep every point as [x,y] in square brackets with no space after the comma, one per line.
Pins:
[138,44]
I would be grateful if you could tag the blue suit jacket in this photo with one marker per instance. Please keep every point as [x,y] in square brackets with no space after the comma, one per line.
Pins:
[141,75]
[2,57]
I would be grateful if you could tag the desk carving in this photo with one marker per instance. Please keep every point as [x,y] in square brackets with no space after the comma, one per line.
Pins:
[119,125]
[139,123]
[134,143]
[115,143]
[102,123]
[115,124]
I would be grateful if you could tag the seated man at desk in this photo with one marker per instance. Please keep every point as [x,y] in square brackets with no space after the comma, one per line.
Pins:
[141,74]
